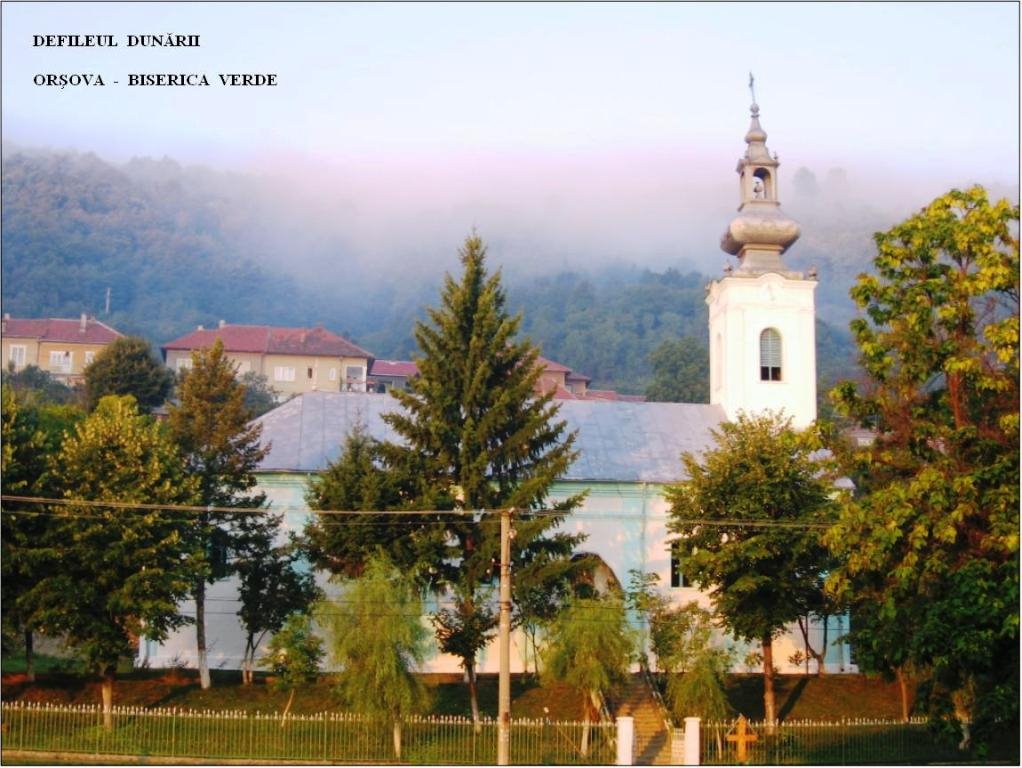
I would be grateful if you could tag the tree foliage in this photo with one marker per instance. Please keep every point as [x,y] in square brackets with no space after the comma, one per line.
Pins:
[378,641]
[293,657]
[221,450]
[358,481]
[127,366]
[681,372]
[273,582]
[741,519]
[111,574]
[476,437]
[589,647]
[931,541]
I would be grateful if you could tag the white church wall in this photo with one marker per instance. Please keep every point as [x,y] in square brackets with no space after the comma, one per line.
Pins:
[626,525]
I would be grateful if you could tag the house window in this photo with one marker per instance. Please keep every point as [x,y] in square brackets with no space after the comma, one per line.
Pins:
[333,374]
[770,355]
[89,356]
[183,363]
[284,373]
[354,378]
[17,355]
[678,578]
[308,373]
[60,361]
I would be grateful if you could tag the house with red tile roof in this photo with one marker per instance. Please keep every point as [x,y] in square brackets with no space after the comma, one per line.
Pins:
[293,360]
[555,377]
[60,346]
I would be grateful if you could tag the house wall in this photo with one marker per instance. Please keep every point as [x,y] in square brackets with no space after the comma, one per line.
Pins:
[266,365]
[38,353]
[625,524]
[31,352]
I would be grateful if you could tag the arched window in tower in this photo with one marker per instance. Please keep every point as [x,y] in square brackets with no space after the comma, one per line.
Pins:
[762,185]
[770,355]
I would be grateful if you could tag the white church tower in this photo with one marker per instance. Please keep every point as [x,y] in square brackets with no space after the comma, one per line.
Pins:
[762,315]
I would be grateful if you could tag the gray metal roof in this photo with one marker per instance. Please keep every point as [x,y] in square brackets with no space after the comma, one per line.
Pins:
[617,441]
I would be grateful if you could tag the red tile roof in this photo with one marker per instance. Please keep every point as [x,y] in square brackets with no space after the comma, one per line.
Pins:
[394,368]
[60,330]
[267,339]
[551,366]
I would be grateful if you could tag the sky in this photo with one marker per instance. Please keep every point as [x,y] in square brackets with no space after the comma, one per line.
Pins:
[479,108]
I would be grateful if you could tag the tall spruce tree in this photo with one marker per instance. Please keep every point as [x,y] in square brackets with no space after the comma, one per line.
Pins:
[475,436]
[210,425]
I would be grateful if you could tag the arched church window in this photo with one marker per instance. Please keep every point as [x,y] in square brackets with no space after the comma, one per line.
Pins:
[770,355]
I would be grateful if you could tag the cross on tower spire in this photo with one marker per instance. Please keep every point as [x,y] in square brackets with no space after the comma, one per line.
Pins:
[752,89]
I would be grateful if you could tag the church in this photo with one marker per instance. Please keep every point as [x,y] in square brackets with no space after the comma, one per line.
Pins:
[762,356]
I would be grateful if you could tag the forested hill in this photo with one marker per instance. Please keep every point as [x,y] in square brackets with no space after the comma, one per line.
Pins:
[179,247]
[74,226]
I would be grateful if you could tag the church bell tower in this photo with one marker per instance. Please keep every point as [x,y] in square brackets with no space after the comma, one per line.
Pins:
[762,314]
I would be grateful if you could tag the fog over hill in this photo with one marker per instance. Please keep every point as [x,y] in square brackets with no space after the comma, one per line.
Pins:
[362,246]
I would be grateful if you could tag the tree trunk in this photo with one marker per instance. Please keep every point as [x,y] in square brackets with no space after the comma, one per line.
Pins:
[473,694]
[584,747]
[247,662]
[107,692]
[899,672]
[29,656]
[290,700]
[769,705]
[200,633]
[397,739]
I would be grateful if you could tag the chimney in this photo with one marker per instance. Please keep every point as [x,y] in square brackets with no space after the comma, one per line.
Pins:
[200,328]
[3,328]
[84,323]
[223,323]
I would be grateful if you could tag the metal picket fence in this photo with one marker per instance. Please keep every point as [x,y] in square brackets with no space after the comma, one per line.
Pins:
[327,736]
[842,742]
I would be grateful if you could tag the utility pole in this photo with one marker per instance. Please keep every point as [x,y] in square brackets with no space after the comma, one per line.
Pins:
[504,631]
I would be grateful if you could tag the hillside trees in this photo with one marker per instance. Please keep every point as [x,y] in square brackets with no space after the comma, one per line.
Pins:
[221,450]
[111,574]
[931,541]
[127,367]
[681,372]
[748,520]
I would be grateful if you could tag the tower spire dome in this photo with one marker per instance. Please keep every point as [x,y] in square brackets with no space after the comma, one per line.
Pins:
[761,232]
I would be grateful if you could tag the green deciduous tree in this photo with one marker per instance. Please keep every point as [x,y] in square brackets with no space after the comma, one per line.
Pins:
[44,388]
[589,647]
[740,518]
[114,574]
[930,542]
[260,397]
[293,657]
[33,429]
[273,582]
[378,641]
[210,425]
[681,372]
[128,367]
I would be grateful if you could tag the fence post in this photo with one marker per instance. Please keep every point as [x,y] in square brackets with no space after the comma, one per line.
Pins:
[625,740]
[691,741]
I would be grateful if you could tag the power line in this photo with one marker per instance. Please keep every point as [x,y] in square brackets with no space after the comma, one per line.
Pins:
[520,514]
